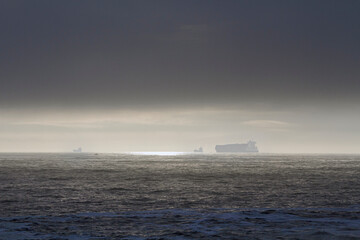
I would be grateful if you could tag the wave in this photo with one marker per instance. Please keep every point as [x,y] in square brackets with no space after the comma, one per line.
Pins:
[299,223]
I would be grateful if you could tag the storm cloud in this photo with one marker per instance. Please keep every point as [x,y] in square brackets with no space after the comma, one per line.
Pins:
[121,53]
[270,67]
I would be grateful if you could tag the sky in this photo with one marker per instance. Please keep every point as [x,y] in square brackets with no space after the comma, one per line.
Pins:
[165,75]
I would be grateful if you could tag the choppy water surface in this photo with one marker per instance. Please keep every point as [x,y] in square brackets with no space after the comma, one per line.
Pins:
[124,196]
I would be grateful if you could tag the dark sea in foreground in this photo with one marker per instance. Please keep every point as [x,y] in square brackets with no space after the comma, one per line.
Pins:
[186,196]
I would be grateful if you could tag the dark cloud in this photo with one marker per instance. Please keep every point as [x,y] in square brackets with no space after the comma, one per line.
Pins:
[129,53]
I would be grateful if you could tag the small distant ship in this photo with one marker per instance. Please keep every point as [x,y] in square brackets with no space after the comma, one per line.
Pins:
[248,147]
[200,150]
[79,150]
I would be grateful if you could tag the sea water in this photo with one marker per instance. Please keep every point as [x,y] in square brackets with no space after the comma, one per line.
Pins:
[179,196]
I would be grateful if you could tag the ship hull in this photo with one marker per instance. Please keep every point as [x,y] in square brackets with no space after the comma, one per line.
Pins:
[236,148]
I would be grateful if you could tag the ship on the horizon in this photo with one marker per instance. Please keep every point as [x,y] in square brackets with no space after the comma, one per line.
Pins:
[200,150]
[79,150]
[248,147]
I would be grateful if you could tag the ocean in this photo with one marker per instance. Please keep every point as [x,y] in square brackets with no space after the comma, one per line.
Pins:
[179,196]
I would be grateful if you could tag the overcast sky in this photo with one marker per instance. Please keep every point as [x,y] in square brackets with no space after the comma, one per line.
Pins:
[120,76]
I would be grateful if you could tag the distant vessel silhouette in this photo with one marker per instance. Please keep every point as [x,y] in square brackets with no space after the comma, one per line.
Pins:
[199,150]
[79,150]
[250,146]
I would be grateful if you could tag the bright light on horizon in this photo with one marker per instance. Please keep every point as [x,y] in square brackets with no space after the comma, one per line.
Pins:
[160,153]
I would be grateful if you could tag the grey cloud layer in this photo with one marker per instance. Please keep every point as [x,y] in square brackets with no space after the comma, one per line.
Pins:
[129,53]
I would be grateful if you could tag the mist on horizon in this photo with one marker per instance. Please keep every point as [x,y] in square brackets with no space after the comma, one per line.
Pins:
[130,76]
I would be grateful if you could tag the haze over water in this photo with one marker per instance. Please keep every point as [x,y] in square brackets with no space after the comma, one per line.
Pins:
[173,76]
[130,76]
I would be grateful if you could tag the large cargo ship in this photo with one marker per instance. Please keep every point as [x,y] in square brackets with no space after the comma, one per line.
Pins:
[250,146]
